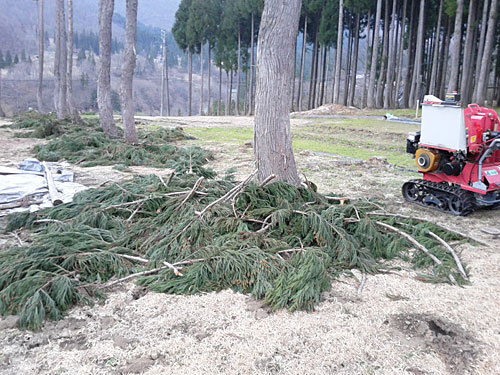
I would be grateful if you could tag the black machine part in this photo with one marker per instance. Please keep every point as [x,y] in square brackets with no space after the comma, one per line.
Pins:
[412,143]
[452,168]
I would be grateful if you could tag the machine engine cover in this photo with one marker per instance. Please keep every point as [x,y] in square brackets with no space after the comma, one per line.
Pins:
[427,160]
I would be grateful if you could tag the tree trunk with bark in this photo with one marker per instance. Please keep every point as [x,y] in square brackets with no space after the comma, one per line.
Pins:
[127,75]
[373,66]
[338,60]
[75,116]
[104,68]
[455,52]
[468,54]
[367,62]
[432,85]
[61,58]
[238,77]
[352,85]
[392,55]
[209,110]
[411,55]
[202,70]
[190,80]
[251,79]
[480,50]
[220,92]
[482,82]
[399,63]
[348,63]
[41,51]
[383,61]
[302,65]
[417,71]
[272,137]
[310,103]
[444,65]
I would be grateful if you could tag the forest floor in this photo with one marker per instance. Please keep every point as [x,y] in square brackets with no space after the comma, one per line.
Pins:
[396,325]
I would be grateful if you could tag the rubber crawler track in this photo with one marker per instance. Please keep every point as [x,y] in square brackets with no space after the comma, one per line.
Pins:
[440,196]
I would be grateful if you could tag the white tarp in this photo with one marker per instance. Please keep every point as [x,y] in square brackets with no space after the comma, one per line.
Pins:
[26,189]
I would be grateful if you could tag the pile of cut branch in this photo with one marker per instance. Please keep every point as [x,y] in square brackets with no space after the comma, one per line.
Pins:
[86,145]
[186,234]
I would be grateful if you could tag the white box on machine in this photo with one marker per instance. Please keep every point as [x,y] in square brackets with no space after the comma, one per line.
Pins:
[443,127]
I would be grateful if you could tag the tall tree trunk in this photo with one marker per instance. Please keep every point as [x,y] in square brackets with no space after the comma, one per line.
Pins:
[220,92]
[104,68]
[317,80]
[367,61]
[2,113]
[231,94]
[190,79]
[41,51]
[432,85]
[209,110]
[383,62]
[227,107]
[480,50]
[338,60]
[392,55]
[373,67]
[348,63]
[445,54]
[482,83]
[165,92]
[252,32]
[411,54]
[238,77]
[272,138]
[468,53]
[314,65]
[455,52]
[323,77]
[302,65]
[416,80]
[127,74]
[399,63]
[71,100]
[61,56]
[202,70]
[352,86]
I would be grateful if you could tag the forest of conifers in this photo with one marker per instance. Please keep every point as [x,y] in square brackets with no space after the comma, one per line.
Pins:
[403,49]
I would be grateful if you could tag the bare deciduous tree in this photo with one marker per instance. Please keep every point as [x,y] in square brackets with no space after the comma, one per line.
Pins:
[275,58]
[127,77]
[106,8]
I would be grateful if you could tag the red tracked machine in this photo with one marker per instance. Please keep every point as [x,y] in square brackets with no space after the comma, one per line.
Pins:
[458,153]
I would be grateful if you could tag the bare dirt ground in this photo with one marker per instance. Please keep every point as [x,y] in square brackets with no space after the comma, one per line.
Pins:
[396,325]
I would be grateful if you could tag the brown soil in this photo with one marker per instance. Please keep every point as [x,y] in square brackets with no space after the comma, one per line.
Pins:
[397,325]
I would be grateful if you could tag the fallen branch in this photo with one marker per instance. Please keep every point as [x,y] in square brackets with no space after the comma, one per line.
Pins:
[132,276]
[267,180]
[452,252]
[190,193]
[418,245]
[21,243]
[428,221]
[228,195]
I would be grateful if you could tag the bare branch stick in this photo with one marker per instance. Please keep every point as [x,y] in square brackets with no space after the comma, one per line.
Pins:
[463,235]
[191,192]
[417,244]
[132,276]
[267,180]
[452,252]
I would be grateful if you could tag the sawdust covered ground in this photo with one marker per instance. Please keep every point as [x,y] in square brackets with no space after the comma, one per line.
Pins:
[396,325]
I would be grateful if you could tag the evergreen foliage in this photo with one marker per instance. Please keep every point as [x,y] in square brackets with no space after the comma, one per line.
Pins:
[88,146]
[279,243]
